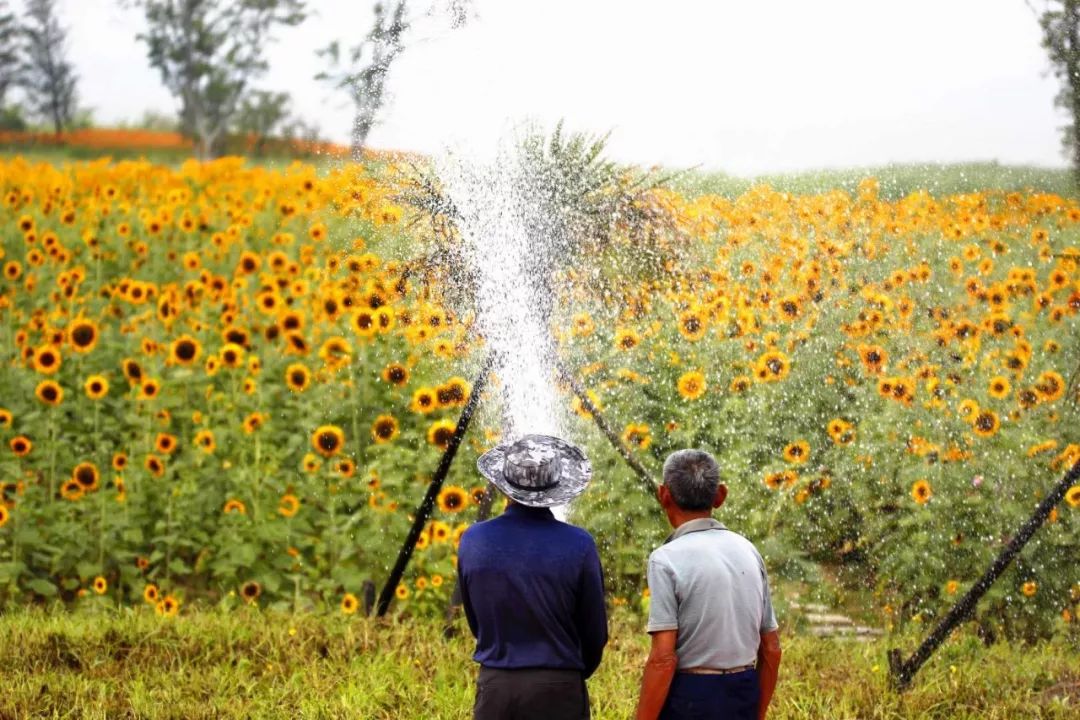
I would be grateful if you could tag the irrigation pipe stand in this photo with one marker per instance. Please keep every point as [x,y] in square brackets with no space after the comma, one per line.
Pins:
[902,671]
[428,503]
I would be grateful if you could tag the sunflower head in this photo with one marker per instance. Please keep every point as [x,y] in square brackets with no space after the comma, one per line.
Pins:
[327,440]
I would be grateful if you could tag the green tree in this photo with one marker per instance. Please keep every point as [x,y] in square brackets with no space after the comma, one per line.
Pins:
[1060,22]
[46,76]
[262,114]
[9,50]
[208,53]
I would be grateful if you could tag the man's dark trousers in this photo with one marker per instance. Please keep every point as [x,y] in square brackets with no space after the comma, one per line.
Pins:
[713,697]
[530,694]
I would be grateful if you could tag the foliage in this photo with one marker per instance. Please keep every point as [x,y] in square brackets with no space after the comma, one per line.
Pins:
[11,119]
[9,51]
[261,115]
[1060,23]
[885,381]
[264,664]
[48,79]
[868,372]
[365,80]
[208,52]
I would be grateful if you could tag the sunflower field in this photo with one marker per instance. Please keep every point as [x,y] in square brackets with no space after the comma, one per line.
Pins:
[226,384]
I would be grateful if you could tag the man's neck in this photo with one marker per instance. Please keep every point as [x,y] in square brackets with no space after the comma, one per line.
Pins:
[680,518]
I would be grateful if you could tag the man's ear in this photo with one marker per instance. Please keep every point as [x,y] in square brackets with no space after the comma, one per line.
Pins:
[721,495]
[663,495]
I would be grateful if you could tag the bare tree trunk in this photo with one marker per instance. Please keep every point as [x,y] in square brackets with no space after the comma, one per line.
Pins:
[361,128]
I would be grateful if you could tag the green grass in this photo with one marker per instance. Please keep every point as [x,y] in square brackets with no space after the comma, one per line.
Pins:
[896,180]
[251,664]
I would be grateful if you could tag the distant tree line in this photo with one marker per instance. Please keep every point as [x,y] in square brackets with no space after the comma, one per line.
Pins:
[34,63]
[210,55]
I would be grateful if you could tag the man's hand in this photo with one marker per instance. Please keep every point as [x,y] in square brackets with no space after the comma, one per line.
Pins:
[659,670]
[768,668]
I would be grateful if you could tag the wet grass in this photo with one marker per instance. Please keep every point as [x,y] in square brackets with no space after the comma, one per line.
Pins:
[207,664]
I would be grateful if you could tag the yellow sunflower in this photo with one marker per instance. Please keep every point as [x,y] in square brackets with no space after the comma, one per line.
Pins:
[440,432]
[49,392]
[297,377]
[692,324]
[999,387]
[384,429]
[96,387]
[772,366]
[395,374]
[452,499]
[692,385]
[423,401]
[797,452]
[328,440]
[626,339]
[986,423]
[921,492]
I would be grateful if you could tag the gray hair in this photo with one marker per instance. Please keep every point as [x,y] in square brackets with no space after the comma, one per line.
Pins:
[692,476]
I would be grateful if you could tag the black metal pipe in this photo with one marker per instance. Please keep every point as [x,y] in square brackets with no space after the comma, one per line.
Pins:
[611,435]
[428,503]
[903,671]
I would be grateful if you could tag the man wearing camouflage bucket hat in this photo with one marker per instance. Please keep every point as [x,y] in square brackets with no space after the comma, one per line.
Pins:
[532,587]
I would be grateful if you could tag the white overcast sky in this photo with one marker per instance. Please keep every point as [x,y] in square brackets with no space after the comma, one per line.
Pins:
[742,86]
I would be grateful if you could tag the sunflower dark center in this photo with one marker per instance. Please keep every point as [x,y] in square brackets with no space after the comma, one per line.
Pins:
[83,335]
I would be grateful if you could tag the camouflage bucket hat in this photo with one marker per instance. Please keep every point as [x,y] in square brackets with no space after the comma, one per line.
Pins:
[537,470]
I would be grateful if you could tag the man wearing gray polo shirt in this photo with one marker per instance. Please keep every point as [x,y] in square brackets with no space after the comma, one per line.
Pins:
[715,648]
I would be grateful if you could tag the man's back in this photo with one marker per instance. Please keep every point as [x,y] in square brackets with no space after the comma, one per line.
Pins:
[533,592]
[710,584]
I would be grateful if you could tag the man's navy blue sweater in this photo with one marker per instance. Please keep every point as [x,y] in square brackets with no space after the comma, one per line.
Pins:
[533,592]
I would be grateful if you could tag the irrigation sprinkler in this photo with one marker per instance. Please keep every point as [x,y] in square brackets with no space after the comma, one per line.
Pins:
[902,671]
[610,434]
[428,503]
[601,422]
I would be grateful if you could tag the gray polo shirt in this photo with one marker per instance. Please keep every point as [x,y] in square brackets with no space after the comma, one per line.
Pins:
[709,583]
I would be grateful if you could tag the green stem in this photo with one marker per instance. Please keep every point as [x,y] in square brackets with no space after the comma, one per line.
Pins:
[168,536]
[52,457]
[101,530]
